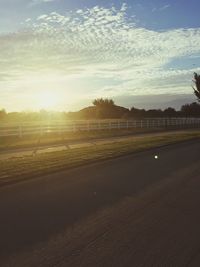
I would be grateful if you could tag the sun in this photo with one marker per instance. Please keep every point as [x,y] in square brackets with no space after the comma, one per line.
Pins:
[48,100]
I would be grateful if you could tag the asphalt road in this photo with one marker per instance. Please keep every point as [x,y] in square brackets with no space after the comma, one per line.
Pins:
[138,210]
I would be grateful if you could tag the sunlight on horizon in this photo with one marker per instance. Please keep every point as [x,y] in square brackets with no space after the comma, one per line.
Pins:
[48,100]
[73,55]
[49,91]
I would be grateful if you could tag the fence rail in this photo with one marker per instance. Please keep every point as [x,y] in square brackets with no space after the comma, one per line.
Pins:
[64,127]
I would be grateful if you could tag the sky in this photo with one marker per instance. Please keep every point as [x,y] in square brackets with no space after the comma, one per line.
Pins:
[61,54]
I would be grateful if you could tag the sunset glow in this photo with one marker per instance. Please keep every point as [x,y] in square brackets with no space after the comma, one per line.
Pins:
[86,49]
[48,100]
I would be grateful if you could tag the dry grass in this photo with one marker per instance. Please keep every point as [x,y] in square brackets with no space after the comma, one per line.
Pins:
[17,169]
[56,139]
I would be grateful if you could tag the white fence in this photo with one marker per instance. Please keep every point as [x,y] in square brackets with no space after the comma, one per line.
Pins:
[64,127]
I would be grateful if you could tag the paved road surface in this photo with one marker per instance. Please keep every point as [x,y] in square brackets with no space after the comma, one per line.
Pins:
[131,211]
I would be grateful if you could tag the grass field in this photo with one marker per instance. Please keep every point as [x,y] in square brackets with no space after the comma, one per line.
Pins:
[56,139]
[17,169]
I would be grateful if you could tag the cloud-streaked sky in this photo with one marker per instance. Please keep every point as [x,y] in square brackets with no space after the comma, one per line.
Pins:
[74,51]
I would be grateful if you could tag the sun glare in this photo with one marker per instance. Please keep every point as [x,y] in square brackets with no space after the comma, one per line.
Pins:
[48,100]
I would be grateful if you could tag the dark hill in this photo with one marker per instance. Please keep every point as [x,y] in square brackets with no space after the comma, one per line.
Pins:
[100,112]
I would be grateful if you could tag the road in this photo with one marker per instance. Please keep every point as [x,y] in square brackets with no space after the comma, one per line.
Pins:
[138,210]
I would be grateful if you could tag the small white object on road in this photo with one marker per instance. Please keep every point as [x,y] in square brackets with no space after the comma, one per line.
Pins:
[156,157]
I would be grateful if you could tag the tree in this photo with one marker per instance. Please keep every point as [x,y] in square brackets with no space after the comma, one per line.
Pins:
[137,113]
[192,109]
[197,85]
[170,112]
[103,102]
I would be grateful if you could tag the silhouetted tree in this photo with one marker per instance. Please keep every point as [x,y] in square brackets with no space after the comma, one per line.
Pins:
[137,113]
[104,108]
[103,102]
[191,110]
[170,112]
[197,85]
[154,113]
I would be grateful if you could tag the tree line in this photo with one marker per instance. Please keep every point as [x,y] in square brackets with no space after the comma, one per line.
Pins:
[107,109]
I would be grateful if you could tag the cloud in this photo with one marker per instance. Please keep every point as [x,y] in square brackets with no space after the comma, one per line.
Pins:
[103,49]
[162,8]
[38,2]
[165,7]
[28,20]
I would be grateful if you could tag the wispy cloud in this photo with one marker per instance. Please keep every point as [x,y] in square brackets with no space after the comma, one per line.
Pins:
[165,7]
[162,8]
[102,46]
[37,2]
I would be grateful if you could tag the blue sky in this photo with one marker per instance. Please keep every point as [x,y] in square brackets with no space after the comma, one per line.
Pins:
[154,14]
[74,51]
